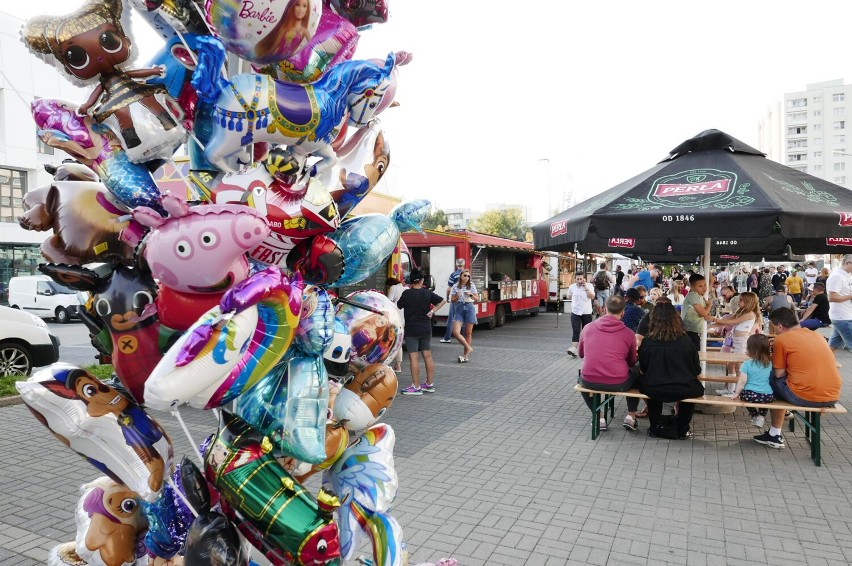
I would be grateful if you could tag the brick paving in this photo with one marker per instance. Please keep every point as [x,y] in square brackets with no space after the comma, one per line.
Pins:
[497,468]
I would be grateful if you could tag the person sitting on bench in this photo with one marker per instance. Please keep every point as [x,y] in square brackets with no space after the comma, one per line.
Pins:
[608,349]
[805,372]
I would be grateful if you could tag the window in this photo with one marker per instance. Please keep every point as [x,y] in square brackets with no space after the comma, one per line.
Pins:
[817,168]
[797,143]
[797,103]
[817,100]
[840,180]
[839,97]
[817,127]
[43,148]
[839,140]
[840,111]
[13,187]
[840,166]
[817,154]
[817,113]
[797,130]
[817,142]
[841,125]
[797,116]
[796,157]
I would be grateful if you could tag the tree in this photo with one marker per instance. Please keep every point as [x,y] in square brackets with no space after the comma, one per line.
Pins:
[437,220]
[504,223]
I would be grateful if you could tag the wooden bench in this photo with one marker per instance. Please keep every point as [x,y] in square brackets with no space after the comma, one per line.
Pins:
[809,416]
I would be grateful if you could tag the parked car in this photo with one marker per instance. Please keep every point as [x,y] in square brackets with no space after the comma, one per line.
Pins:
[25,342]
[41,296]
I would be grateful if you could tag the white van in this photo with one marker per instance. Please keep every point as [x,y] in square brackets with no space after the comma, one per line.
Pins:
[41,296]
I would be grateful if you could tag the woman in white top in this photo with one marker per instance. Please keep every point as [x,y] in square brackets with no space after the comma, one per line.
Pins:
[394,292]
[464,293]
[676,295]
[743,322]
[582,294]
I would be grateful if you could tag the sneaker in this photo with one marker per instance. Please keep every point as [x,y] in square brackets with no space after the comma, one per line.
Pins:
[572,351]
[685,436]
[770,440]
[603,424]
[412,390]
[758,421]
[427,388]
[443,341]
[788,415]
[630,423]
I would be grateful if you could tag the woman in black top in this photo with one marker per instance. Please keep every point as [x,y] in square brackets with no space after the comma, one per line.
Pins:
[669,362]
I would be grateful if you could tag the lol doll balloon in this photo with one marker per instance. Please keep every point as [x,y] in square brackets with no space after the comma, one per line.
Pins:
[91,46]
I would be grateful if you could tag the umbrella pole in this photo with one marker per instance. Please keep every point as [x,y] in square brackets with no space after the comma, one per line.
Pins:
[706,264]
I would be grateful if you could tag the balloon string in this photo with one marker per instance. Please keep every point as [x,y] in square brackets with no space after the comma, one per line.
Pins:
[180,494]
[190,188]
[15,90]
[203,18]
[176,414]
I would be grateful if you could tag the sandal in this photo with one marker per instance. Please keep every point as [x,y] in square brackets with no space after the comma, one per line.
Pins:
[642,414]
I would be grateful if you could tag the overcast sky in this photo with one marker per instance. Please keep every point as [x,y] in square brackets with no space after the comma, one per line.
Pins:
[516,102]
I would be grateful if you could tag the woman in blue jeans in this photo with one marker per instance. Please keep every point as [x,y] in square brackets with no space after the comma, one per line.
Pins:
[464,295]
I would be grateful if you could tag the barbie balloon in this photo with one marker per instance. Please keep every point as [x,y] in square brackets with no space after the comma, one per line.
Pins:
[366,241]
[264,31]
[334,41]
[376,327]
[366,479]
[214,541]
[305,118]
[230,348]
[365,399]
[316,322]
[290,406]
[275,513]
[110,522]
[99,423]
[90,45]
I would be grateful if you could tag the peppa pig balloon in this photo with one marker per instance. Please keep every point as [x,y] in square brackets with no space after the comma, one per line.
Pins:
[197,254]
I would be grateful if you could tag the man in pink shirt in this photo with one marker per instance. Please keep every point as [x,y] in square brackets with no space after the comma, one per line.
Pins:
[608,349]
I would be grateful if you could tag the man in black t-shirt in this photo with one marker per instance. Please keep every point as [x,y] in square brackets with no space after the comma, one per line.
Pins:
[817,314]
[419,304]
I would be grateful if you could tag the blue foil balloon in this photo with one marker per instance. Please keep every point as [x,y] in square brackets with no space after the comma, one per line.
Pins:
[290,406]
[366,241]
[409,215]
[316,322]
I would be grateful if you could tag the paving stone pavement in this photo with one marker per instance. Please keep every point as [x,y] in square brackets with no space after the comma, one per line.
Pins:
[497,467]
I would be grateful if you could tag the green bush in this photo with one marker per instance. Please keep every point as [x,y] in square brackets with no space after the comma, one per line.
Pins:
[7,382]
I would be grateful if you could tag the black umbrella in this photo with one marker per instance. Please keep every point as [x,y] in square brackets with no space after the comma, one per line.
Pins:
[711,186]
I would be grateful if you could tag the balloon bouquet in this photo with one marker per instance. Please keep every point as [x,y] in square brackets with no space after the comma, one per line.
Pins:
[221,298]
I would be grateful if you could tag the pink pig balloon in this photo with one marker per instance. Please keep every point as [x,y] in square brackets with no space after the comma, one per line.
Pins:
[201,249]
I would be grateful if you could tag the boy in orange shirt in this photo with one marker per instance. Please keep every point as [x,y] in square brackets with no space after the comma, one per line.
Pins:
[805,372]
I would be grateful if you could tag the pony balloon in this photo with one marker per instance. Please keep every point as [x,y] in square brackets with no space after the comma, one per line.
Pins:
[307,118]
[90,45]
[365,478]
[105,427]
[230,348]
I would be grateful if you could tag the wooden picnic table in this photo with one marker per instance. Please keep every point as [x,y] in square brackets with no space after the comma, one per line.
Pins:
[722,357]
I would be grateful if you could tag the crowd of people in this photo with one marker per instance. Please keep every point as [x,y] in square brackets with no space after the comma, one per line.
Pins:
[648,329]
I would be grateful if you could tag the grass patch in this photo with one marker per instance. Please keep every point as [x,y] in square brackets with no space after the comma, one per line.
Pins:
[7,382]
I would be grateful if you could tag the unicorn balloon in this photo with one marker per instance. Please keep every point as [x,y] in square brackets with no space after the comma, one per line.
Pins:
[257,108]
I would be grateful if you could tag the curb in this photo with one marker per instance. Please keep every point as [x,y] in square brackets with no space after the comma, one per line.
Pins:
[10,401]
